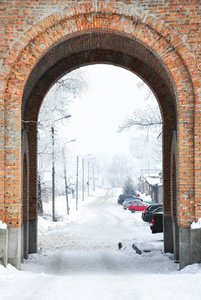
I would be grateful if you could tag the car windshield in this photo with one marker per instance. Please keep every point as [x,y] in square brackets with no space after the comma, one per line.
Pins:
[159,209]
[133,199]
[153,207]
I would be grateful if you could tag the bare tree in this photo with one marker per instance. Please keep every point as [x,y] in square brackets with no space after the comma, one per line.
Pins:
[56,106]
[63,92]
[148,118]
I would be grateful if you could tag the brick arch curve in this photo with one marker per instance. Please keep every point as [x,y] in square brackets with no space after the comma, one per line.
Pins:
[111,49]
[153,49]
[67,25]
[97,14]
[23,59]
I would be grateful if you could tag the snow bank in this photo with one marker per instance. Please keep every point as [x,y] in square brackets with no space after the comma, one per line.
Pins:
[196,225]
[2,225]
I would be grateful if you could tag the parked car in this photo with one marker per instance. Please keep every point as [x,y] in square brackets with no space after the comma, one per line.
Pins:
[122,197]
[129,201]
[157,222]
[138,206]
[148,212]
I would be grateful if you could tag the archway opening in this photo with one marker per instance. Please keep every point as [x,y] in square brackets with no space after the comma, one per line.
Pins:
[105,48]
[98,124]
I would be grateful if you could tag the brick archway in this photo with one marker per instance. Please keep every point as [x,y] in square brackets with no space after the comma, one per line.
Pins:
[90,34]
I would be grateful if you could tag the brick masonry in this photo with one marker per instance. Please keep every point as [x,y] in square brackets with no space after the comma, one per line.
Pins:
[158,40]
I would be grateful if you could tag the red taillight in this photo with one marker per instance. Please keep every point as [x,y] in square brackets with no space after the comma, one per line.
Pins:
[153,223]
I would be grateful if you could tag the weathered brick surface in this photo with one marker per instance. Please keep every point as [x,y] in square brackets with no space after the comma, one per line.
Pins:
[158,40]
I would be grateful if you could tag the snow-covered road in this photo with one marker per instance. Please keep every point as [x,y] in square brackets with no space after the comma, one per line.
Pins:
[79,258]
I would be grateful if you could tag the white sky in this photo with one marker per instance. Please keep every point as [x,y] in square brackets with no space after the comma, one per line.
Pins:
[111,96]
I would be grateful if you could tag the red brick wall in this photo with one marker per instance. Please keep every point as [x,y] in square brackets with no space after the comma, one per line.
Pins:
[158,40]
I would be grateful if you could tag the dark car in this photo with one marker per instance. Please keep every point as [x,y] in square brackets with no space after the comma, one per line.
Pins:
[122,197]
[157,222]
[135,198]
[148,212]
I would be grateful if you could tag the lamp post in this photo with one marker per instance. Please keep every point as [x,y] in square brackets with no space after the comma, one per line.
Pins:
[53,167]
[65,177]
[82,178]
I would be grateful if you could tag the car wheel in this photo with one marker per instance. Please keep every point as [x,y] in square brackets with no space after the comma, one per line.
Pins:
[133,211]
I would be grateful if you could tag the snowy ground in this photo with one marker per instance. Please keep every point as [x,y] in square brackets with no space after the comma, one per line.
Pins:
[78,258]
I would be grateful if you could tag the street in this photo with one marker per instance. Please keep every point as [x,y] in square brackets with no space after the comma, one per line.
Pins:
[78,258]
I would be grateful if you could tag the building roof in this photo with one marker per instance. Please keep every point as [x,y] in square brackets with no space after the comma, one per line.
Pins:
[152,180]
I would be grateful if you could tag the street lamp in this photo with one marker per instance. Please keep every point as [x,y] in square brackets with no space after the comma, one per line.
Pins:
[65,177]
[82,178]
[53,167]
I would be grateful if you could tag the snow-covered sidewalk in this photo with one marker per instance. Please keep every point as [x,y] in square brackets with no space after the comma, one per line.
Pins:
[78,258]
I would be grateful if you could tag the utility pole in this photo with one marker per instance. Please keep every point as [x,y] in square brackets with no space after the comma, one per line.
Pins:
[82,178]
[88,181]
[93,177]
[66,183]
[65,177]
[77,183]
[53,177]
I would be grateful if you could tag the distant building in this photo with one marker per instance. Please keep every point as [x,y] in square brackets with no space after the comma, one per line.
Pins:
[150,183]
